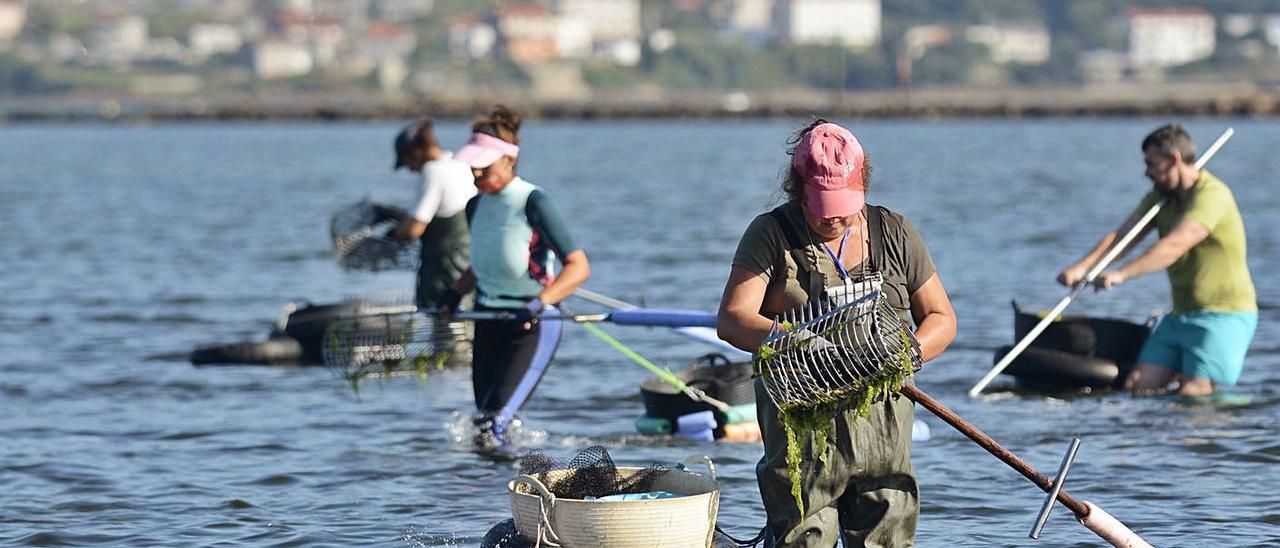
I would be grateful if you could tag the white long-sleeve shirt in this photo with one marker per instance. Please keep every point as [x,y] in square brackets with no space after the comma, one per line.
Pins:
[447,184]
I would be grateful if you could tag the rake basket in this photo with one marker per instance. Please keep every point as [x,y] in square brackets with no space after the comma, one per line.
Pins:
[360,240]
[391,341]
[824,354]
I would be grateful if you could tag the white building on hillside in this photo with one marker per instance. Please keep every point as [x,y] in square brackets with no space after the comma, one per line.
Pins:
[534,34]
[116,40]
[1169,37]
[350,14]
[126,33]
[323,38]
[1271,28]
[1237,25]
[470,38]
[303,8]
[404,10]
[1021,43]
[281,59]
[749,15]
[607,20]
[384,41]
[750,19]
[853,23]
[205,39]
[12,16]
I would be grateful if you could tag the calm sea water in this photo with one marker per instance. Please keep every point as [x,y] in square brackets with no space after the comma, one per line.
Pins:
[125,247]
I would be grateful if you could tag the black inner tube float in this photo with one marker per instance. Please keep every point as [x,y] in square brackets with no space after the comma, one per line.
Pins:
[1075,352]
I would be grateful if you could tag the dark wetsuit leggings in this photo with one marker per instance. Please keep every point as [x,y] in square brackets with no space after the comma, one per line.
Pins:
[507,364]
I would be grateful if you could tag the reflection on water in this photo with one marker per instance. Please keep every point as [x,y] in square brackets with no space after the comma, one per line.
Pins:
[126,247]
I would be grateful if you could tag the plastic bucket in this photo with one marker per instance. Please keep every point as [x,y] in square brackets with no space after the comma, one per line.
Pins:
[681,522]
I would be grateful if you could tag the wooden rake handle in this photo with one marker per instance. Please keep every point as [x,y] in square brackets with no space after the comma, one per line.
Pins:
[1089,515]
[1006,456]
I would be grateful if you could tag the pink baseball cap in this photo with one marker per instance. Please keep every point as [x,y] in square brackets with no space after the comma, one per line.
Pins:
[829,160]
[483,150]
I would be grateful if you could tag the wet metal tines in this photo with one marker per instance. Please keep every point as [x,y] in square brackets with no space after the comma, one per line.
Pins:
[821,353]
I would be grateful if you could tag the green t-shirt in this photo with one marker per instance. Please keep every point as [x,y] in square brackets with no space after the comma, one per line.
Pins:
[1213,275]
[763,250]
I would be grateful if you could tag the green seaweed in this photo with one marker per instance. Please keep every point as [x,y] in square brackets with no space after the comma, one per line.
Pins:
[816,423]
[793,458]
[424,363]
[765,354]
[813,419]
[383,363]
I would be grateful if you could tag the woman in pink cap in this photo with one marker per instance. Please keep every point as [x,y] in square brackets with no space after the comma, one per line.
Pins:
[816,247]
[516,236]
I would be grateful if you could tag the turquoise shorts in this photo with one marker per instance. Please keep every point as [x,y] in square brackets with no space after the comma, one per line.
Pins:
[1206,345]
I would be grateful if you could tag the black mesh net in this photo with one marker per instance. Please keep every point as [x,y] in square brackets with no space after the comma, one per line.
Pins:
[360,241]
[590,473]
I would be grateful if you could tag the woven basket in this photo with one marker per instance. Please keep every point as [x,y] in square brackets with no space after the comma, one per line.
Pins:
[680,522]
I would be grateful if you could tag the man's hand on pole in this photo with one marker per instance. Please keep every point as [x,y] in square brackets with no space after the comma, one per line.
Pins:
[1109,279]
[1072,276]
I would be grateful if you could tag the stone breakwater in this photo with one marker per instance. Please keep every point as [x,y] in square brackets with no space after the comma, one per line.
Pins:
[1206,99]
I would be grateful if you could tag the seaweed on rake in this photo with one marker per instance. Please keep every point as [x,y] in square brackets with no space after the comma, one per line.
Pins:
[391,342]
[823,361]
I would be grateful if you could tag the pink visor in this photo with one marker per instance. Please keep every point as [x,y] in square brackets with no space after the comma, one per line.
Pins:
[830,159]
[483,150]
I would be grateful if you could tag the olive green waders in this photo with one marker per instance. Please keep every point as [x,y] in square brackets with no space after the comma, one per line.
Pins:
[865,493]
[444,258]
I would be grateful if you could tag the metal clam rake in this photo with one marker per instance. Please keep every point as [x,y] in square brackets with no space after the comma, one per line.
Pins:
[818,355]
[822,355]
[389,341]
[360,240]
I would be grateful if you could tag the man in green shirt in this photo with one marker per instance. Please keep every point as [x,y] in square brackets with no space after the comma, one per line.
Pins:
[1202,246]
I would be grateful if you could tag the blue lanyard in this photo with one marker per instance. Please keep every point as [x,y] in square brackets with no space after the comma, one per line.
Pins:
[844,274]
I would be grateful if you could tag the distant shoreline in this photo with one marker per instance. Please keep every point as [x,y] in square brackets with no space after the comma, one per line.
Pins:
[1121,100]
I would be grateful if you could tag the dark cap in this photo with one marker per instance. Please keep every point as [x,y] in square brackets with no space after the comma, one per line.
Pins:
[411,137]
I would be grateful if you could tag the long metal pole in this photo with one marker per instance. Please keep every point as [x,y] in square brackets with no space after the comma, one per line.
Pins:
[700,334]
[1111,255]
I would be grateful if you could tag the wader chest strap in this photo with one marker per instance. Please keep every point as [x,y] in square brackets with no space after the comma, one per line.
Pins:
[875,230]
[797,245]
